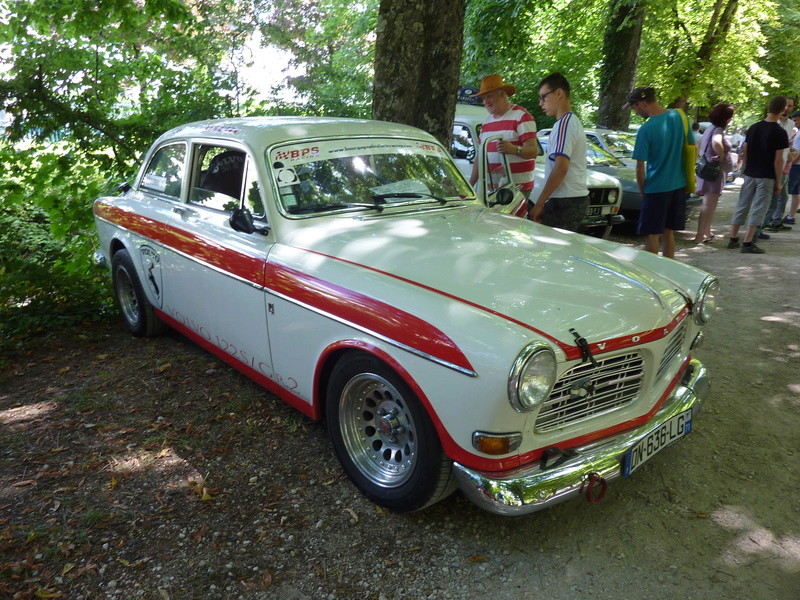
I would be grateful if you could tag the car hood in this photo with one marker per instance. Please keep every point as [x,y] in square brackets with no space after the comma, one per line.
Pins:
[626,176]
[596,179]
[501,265]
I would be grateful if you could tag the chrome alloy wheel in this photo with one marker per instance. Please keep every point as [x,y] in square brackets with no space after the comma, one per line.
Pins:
[378,430]
[126,296]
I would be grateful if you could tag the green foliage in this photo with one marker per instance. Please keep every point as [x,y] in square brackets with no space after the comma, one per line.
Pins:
[115,73]
[782,35]
[46,242]
[690,49]
[333,43]
[526,40]
[106,77]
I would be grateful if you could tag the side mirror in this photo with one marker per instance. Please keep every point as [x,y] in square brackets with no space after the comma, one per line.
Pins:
[241,220]
[503,197]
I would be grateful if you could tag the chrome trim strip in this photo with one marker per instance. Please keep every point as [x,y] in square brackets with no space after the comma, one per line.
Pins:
[188,256]
[393,342]
[622,276]
[376,335]
[531,488]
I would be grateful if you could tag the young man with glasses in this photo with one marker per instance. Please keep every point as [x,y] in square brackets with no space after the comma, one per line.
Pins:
[564,198]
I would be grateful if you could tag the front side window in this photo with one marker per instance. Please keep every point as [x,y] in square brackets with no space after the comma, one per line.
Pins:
[218,177]
[315,177]
[164,175]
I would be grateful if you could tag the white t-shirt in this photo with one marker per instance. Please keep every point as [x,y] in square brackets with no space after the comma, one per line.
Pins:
[788,126]
[567,138]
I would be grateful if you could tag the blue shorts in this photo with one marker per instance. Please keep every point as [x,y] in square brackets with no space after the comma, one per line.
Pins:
[794,180]
[662,210]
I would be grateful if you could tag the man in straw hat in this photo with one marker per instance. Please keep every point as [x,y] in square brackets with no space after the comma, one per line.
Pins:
[517,127]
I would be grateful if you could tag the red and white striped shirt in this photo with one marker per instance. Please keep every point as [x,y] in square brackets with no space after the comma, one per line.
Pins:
[517,126]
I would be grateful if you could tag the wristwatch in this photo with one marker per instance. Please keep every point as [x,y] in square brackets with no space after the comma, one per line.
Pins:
[519,150]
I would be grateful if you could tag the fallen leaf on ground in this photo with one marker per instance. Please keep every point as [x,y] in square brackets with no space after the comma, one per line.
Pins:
[24,483]
[352,514]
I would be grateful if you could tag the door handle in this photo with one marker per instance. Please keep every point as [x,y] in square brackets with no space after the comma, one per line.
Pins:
[184,211]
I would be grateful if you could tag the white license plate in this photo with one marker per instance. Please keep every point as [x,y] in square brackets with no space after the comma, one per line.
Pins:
[654,442]
[593,211]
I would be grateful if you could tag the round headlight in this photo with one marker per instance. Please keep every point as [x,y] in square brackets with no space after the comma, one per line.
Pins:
[612,197]
[532,377]
[706,302]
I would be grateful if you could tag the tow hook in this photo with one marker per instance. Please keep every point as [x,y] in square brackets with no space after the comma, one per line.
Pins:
[594,488]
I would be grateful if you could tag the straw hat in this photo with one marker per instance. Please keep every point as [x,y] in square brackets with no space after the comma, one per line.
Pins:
[491,83]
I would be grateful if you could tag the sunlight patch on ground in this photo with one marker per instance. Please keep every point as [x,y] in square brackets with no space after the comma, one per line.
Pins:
[790,318]
[169,472]
[755,542]
[19,416]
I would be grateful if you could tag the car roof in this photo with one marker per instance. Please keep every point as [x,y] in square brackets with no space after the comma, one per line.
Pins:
[262,132]
[471,113]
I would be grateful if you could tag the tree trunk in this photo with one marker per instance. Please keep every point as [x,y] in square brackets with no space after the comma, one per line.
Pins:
[417,62]
[718,27]
[620,58]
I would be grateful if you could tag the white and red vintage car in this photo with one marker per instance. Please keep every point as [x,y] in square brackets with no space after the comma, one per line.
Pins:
[349,268]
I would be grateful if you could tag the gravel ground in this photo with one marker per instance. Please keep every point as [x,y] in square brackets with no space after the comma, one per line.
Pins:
[146,469]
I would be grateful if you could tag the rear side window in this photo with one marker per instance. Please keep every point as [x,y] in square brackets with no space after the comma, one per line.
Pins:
[165,173]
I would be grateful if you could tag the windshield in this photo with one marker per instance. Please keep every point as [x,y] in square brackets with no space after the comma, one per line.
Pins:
[597,157]
[313,177]
[620,143]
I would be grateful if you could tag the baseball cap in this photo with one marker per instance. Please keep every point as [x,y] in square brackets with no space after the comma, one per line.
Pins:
[641,94]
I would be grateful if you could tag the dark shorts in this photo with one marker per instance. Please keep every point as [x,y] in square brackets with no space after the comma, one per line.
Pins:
[565,213]
[662,210]
[794,180]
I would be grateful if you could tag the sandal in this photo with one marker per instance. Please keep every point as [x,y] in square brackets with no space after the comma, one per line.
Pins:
[710,239]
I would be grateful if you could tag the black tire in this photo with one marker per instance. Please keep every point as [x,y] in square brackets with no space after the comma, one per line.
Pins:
[136,310]
[383,437]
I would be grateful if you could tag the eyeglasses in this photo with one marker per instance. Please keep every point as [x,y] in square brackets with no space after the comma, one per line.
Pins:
[542,97]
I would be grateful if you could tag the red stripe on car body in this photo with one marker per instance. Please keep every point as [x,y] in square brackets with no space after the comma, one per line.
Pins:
[354,307]
[571,352]
[375,316]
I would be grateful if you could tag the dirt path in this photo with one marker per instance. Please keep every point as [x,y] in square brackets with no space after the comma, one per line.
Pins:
[147,469]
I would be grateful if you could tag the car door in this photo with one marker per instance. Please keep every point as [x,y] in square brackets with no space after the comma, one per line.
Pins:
[214,277]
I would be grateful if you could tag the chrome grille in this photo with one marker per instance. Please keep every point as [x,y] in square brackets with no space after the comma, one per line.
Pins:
[673,349]
[598,196]
[586,391]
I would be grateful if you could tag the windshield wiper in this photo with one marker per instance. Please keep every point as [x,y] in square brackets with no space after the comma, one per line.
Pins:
[439,199]
[312,208]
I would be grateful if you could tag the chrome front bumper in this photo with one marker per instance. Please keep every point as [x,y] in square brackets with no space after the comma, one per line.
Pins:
[532,488]
[99,260]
